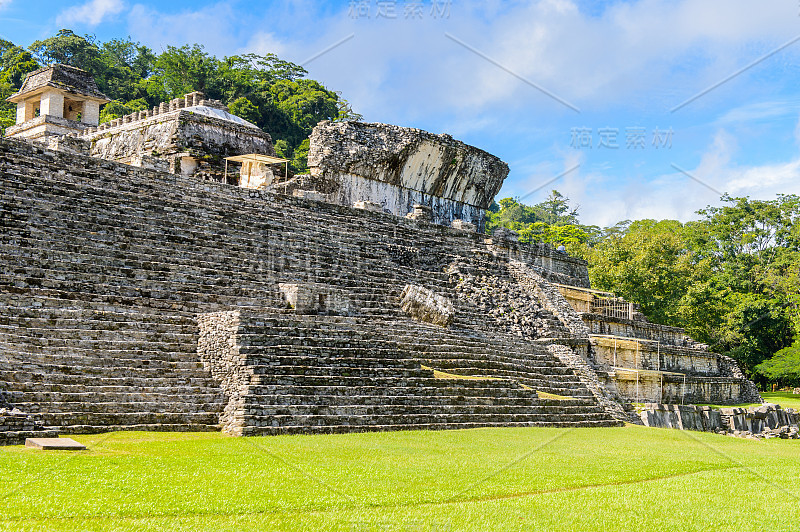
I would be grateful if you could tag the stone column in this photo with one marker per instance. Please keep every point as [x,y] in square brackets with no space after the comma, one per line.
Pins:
[52,104]
[21,111]
[91,113]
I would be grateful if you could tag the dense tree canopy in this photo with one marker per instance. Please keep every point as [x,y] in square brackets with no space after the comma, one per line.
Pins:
[553,220]
[264,89]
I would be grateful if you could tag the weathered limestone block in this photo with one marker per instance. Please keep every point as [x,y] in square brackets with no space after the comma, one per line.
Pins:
[463,225]
[421,213]
[150,162]
[502,236]
[398,167]
[368,206]
[308,298]
[310,195]
[423,305]
[74,145]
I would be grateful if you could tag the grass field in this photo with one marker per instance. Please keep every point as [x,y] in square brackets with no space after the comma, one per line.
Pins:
[785,399]
[616,479]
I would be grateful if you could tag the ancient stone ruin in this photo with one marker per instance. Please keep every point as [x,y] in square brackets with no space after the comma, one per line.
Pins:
[404,171]
[138,295]
[56,101]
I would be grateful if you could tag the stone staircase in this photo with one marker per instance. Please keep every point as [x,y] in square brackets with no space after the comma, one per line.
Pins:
[105,266]
[337,374]
[84,370]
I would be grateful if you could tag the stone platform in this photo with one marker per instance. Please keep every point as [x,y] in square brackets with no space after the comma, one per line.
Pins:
[110,273]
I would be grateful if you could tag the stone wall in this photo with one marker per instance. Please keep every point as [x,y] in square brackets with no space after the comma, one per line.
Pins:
[648,355]
[16,426]
[643,386]
[397,167]
[555,266]
[218,349]
[191,135]
[640,329]
[765,421]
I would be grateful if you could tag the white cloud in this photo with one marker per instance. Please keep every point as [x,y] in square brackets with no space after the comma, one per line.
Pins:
[263,43]
[646,54]
[91,13]
[214,26]
[605,200]
[5,3]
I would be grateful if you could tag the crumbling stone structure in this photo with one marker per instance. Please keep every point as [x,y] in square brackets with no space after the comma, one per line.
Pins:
[56,101]
[404,170]
[655,363]
[187,136]
[60,106]
[760,422]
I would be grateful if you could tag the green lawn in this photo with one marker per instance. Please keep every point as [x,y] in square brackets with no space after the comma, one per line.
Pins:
[785,399]
[631,478]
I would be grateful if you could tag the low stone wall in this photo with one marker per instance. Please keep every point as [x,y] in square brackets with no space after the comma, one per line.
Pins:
[218,349]
[650,356]
[765,421]
[644,330]
[555,266]
[672,388]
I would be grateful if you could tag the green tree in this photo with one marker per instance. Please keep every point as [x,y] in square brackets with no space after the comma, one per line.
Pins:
[15,63]
[244,108]
[552,221]
[300,158]
[649,264]
[784,367]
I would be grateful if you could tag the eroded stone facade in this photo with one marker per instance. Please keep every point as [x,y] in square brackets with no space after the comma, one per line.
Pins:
[399,167]
[189,136]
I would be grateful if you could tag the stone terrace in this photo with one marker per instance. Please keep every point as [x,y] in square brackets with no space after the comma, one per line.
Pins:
[109,271]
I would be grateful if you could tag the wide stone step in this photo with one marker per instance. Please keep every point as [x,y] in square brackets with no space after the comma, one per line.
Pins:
[116,403]
[103,359]
[18,437]
[98,344]
[419,409]
[15,378]
[402,396]
[75,428]
[110,419]
[61,352]
[261,363]
[411,425]
[349,372]
[438,418]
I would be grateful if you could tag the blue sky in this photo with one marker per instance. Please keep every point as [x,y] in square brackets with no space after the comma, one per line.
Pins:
[582,96]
